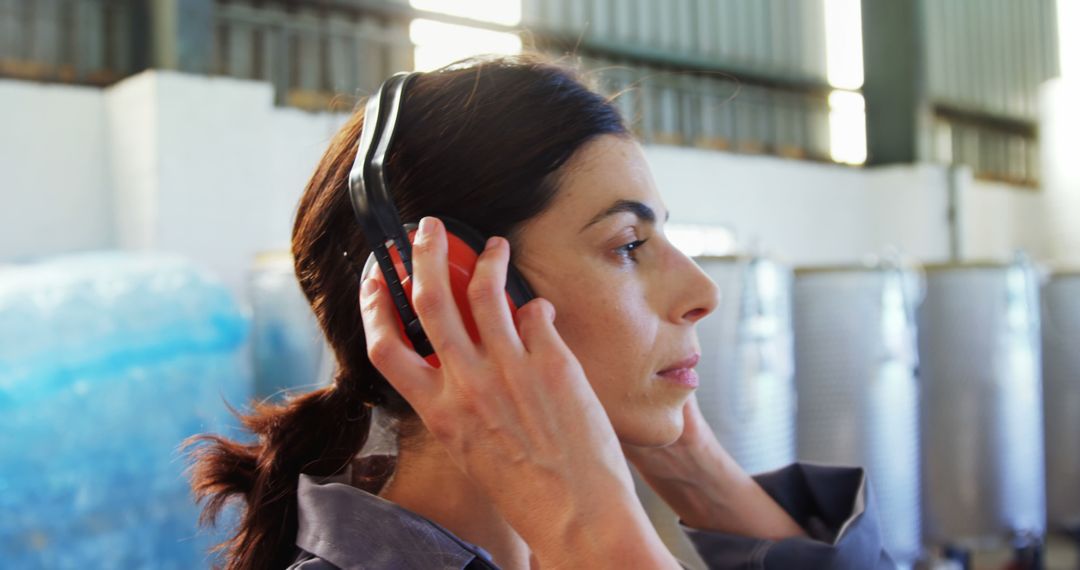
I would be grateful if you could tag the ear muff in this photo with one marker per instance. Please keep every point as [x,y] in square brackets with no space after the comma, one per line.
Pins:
[391,242]
[464,245]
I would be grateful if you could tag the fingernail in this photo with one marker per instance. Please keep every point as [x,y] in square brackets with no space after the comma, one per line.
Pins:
[369,286]
[427,226]
[491,242]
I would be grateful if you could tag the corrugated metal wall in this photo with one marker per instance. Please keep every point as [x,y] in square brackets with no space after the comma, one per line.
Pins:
[77,41]
[315,58]
[989,55]
[783,37]
[984,61]
[674,65]
[712,111]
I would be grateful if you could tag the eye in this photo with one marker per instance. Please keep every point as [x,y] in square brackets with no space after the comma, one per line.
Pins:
[627,251]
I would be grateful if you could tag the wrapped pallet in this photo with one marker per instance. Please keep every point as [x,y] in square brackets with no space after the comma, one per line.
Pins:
[107,363]
[288,347]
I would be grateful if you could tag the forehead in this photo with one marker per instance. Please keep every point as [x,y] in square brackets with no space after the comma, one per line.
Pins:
[604,170]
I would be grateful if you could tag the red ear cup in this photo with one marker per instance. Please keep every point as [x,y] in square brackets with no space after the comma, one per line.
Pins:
[462,263]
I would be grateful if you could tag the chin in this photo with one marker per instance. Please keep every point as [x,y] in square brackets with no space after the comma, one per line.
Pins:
[652,430]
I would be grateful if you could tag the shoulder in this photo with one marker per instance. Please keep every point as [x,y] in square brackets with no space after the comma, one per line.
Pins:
[342,526]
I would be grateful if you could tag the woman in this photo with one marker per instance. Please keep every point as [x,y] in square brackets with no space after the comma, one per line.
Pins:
[512,452]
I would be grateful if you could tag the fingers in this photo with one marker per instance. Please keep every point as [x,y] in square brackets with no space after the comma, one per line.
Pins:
[410,375]
[432,297]
[487,297]
[536,325]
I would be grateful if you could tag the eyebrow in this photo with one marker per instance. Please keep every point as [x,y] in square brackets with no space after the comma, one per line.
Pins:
[643,212]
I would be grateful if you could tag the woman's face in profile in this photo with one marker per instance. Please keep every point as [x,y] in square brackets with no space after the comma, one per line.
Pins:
[627,313]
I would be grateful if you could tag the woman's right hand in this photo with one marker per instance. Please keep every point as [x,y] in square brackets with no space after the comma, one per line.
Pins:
[515,411]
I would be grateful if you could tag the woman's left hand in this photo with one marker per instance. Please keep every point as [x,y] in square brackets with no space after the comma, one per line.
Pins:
[696,434]
[704,485]
[685,459]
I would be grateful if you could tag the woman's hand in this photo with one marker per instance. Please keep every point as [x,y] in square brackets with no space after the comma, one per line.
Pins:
[704,485]
[514,411]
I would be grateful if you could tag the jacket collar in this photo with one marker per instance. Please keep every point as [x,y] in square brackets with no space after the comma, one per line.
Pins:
[354,529]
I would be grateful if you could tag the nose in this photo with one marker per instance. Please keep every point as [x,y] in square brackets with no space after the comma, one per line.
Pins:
[696,295]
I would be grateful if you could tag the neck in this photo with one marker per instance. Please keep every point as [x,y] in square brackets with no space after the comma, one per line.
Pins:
[428,483]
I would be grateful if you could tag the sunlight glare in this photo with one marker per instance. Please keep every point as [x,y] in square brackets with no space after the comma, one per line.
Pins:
[439,43]
[497,11]
[847,127]
[843,43]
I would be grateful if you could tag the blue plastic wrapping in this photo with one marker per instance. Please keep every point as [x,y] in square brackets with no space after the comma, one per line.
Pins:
[107,362]
[287,344]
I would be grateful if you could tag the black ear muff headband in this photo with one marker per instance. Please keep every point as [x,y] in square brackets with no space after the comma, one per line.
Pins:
[371,201]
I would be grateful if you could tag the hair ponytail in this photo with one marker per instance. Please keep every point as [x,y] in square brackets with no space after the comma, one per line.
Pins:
[317,433]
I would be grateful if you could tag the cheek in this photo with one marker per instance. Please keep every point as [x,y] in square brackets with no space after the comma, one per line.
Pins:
[603,317]
[613,335]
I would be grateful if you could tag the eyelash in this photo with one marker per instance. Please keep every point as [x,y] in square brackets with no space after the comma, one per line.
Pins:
[626,251]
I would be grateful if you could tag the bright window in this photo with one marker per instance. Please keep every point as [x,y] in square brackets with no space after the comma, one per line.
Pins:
[843,44]
[439,43]
[844,69]
[847,127]
[498,11]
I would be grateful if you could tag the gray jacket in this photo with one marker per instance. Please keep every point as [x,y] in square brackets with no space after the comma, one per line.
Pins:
[342,526]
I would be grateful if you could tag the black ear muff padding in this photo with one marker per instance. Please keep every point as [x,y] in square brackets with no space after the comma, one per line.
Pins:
[516,286]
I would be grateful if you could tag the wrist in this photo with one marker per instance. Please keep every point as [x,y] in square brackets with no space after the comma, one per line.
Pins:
[710,491]
[611,531]
[700,483]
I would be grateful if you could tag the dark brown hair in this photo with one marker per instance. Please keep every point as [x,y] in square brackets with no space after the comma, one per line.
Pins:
[480,141]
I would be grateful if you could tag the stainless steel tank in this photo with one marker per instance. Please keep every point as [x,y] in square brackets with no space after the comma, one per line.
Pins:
[1061,383]
[747,390]
[982,422]
[856,362]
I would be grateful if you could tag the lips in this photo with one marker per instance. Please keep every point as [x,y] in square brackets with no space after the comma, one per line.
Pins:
[682,373]
[688,362]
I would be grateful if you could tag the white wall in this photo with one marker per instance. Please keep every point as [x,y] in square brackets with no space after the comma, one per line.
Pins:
[999,219]
[230,168]
[54,192]
[210,168]
[131,138]
[808,213]
[206,167]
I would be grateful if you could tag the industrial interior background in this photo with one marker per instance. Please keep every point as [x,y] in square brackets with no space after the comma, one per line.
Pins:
[882,189]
